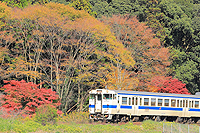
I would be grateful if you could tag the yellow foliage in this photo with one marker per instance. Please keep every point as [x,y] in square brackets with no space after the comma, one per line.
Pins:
[4,12]
[120,79]
[52,21]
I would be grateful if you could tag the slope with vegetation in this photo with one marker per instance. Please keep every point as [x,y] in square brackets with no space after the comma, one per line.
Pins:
[71,47]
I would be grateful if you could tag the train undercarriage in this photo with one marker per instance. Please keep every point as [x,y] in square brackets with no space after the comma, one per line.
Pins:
[115,118]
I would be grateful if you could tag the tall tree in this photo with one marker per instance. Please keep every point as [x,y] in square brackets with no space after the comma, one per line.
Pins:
[68,48]
[151,58]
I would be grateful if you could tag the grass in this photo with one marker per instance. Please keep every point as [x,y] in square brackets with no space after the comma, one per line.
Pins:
[78,122]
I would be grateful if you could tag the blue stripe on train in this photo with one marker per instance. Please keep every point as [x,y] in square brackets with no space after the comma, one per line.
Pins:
[193,109]
[109,106]
[125,107]
[160,108]
[91,106]
[146,107]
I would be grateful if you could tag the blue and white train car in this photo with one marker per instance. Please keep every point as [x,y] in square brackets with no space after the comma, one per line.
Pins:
[118,105]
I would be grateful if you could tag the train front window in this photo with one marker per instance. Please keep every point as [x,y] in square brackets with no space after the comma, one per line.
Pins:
[99,97]
[92,96]
[107,96]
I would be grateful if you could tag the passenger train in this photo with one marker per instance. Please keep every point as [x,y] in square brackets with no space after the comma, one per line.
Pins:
[119,105]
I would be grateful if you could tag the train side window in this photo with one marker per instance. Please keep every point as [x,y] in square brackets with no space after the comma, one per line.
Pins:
[146,101]
[124,100]
[140,101]
[173,102]
[177,103]
[153,102]
[133,103]
[190,104]
[160,101]
[181,103]
[186,103]
[136,101]
[129,101]
[166,102]
[196,105]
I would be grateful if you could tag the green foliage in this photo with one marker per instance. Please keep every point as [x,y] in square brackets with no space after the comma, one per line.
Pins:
[185,67]
[28,126]
[78,117]
[46,114]
[109,8]
[23,3]
[7,124]
[83,5]
[151,125]
[132,127]
[66,2]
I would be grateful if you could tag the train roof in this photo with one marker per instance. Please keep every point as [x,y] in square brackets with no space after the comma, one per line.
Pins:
[123,92]
[157,94]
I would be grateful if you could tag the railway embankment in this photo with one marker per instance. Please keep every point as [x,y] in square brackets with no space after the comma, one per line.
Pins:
[79,122]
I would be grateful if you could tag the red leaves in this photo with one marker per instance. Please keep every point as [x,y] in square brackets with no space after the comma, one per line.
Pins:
[170,85]
[27,96]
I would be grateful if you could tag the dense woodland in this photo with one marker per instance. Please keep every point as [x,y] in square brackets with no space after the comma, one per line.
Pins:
[73,46]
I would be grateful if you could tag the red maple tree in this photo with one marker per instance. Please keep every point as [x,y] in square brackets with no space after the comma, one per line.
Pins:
[169,85]
[20,95]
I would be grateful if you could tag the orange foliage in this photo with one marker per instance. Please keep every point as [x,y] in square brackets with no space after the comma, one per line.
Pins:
[71,49]
[152,59]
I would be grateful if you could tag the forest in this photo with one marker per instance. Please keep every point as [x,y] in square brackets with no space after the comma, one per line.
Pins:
[56,51]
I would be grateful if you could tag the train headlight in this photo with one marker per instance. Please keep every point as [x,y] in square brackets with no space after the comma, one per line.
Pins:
[105,112]
[106,116]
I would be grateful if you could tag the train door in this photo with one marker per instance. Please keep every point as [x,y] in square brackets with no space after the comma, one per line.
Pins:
[98,106]
[118,104]
[191,105]
[185,107]
[135,104]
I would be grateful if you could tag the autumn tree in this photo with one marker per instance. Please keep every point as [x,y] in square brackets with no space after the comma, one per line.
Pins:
[151,57]
[120,79]
[168,85]
[67,49]
[26,97]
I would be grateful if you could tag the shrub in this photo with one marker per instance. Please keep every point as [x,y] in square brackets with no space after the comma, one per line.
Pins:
[151,125]
[46,114]
[28,126]
[77,117]
[27,97]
